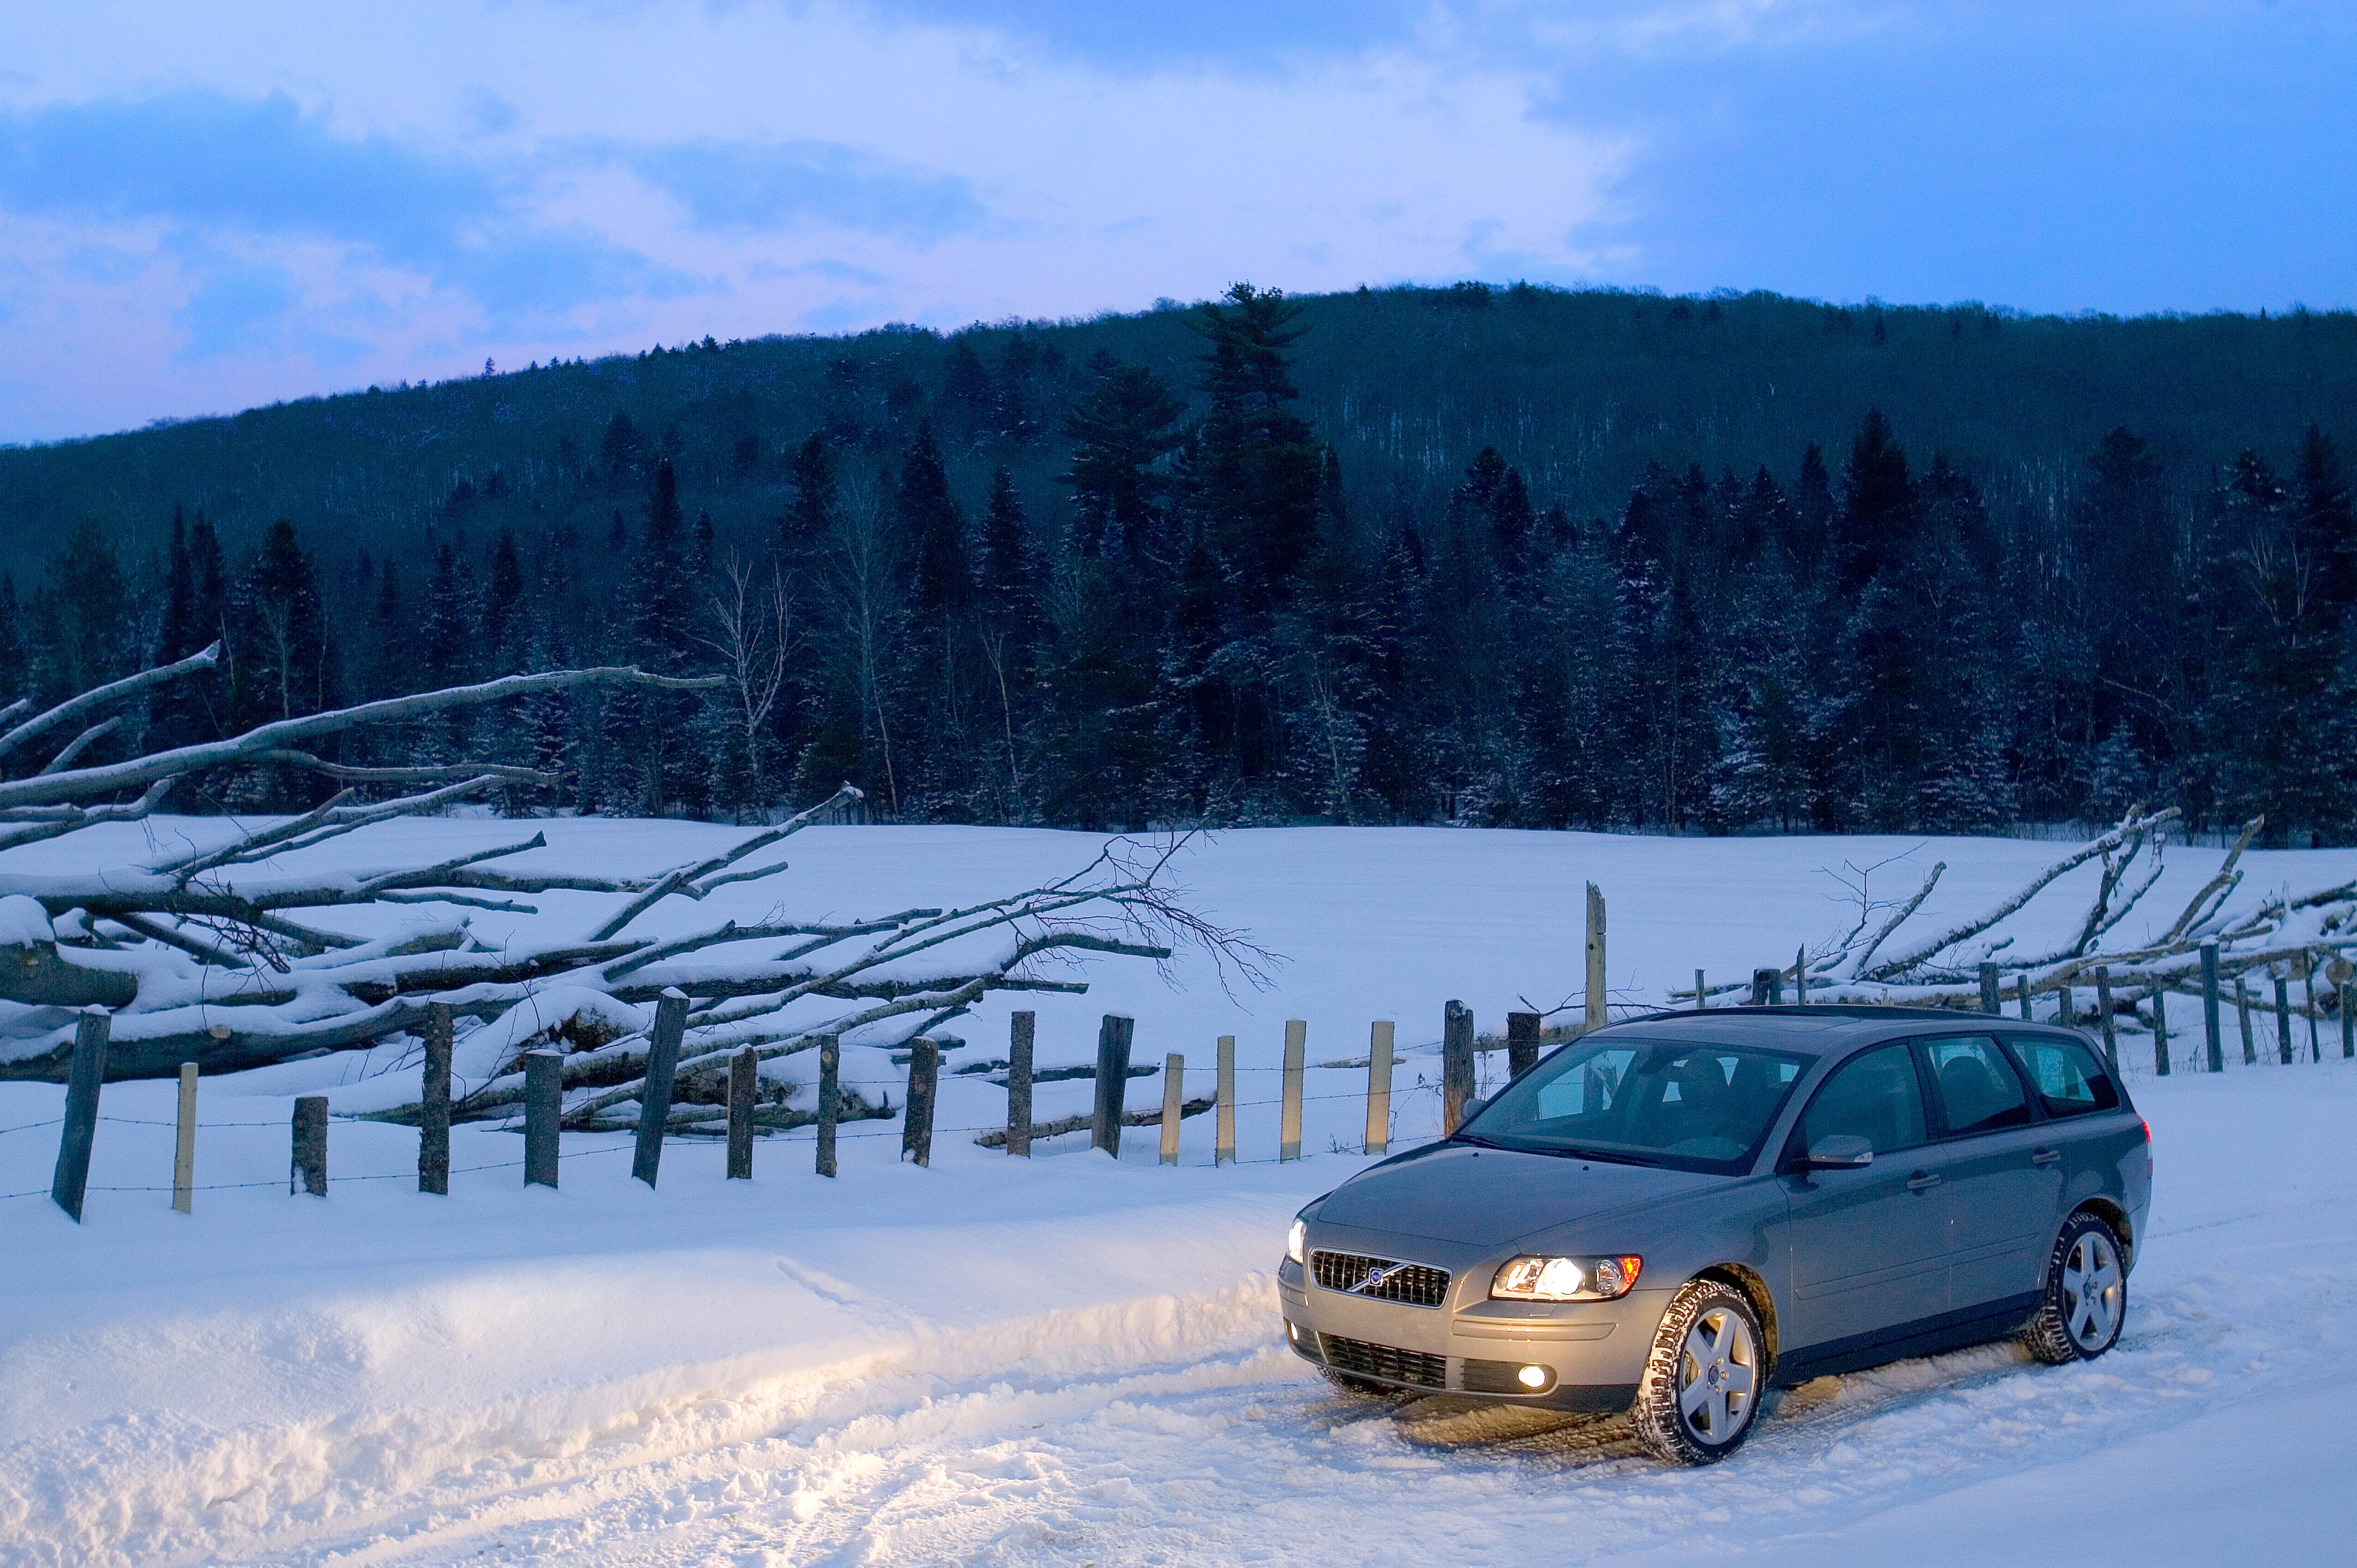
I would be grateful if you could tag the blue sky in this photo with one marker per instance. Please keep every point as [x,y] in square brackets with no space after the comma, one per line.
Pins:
[203,207]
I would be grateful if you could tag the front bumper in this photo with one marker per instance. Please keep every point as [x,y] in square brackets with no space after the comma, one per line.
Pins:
[1593,1351]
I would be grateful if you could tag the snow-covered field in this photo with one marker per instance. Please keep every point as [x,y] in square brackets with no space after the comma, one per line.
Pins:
[1071,1360]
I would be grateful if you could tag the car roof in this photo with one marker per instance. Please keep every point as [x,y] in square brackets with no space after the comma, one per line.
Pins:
[1817,1028]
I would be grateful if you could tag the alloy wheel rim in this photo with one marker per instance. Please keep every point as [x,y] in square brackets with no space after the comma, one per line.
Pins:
[2093,1291]
[1718,1377]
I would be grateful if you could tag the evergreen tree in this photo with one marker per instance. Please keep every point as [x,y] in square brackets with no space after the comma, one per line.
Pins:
[1121,431]
[1253,474]
[930,520]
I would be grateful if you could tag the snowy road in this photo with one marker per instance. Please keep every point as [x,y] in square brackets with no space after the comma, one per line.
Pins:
[2215,1422]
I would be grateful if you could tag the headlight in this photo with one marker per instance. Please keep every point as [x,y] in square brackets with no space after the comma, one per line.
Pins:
[1565,1279]
[1295,1239]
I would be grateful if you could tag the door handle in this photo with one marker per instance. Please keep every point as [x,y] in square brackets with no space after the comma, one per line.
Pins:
[1922,1181]
[2044,1157]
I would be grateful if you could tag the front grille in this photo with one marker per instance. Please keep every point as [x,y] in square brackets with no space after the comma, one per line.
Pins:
[1413,1284]
[1386,1361]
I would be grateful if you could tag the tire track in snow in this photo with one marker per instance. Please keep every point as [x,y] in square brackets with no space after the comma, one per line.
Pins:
[1239,1453]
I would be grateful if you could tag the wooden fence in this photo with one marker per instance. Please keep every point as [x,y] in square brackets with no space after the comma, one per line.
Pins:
[1525,1035]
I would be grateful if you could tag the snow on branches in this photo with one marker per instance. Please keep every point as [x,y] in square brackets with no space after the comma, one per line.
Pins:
[216,953]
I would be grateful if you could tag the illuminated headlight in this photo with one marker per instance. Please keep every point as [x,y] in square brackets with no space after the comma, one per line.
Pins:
[1565,1279]
[1296,1239]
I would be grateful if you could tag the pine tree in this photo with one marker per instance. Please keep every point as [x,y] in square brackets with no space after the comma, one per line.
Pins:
[930,520]
[809,521]
[1121,431]
[1254,469]
[503,625]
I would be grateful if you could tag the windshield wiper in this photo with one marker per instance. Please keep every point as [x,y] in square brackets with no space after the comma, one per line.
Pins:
[1607,1156]
[1480,1142]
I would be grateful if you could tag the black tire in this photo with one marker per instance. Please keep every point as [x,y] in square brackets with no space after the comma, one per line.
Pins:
[1701,1392]
[2075,1323]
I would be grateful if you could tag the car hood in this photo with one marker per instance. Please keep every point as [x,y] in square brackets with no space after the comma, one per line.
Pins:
[1452,1192]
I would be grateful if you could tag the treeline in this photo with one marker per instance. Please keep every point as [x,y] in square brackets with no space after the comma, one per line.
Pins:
[1124,591]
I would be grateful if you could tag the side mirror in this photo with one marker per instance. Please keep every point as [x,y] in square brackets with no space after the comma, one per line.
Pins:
[1474,1106]
[1840,1152]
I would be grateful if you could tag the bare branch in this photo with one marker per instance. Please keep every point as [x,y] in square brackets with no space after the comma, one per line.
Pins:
[84,742]
[82,783]
[439,773]
[2224,881]
[98,697]
[1931,947]
[1899,916]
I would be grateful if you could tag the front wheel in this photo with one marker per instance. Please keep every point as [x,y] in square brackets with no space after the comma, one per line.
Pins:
[1700,1392]
[2087,1298]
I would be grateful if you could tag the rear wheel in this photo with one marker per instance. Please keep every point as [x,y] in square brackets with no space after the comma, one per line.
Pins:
[2086,1294]
[1700,1393]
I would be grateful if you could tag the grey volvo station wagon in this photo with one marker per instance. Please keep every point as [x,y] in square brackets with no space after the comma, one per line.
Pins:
[1673,1215]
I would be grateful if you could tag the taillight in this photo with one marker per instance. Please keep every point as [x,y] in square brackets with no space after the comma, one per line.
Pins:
[2146,1127]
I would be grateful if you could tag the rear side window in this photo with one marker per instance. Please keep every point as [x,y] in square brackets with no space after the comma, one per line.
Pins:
[1979,1091]
[1875,1097]
[2068,1079]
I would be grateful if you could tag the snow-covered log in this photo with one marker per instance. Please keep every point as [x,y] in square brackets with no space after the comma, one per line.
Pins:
[195,949]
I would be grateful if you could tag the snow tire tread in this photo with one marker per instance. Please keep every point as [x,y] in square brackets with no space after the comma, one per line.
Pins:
[1655,1413]
[2047,1336]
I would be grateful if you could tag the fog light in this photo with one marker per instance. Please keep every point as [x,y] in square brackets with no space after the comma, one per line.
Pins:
[1533,1377]
[1293,1331]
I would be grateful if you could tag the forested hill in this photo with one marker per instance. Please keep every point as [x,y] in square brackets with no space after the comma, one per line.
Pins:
[1580,392]
[1500,555]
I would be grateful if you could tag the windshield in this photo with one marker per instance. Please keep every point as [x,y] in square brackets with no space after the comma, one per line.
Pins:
[1688,1107]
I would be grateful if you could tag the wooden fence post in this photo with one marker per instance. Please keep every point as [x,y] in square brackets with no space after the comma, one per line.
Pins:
[1992,1002]
[309,1164]
[1456,1065]
[1174,1101]
[2160,1033]
[916,1122]
[1702,992]
[1379,1089]
[1801,975]
[1763,985]
[1521,1043]
[654,1100]
[2104,1012]
[2066,1009]
[184,1143]
[2214,1031]
[744,1072]
[2348,1019]
[830,1098]
[1114,1038]
[2283,1019]
[1223,1141]
[2306,961]
[1020,1028]
[1595,995]
[1288,1126]
[71,1184]
[543,1115]
[434,1105]
[2242,1012]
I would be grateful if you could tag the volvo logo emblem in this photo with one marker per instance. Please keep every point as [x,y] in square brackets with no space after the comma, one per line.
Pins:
[1377,1277]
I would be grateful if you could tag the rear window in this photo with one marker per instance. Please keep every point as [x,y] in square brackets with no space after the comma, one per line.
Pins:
[1978,1092]
[2068,1079]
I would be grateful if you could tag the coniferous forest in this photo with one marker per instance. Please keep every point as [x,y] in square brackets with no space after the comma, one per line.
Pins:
[1494,556]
